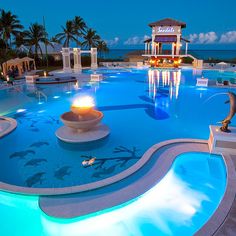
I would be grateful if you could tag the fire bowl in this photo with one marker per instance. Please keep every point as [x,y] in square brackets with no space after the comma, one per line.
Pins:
[80,111]
[82,122]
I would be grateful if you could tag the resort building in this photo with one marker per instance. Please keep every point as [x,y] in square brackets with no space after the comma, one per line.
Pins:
[166,32]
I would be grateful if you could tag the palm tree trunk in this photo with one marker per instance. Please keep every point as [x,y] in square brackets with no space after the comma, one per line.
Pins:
[41,52]
[10,44]
[35,51]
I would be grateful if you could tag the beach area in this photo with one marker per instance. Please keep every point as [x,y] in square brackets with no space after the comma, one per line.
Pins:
[221,55]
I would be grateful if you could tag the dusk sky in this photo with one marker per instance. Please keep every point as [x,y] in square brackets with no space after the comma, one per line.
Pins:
[124,23]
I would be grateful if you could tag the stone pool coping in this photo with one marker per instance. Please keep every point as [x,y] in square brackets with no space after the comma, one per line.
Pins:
[218,218]
[12,125]
[89,202]
[70,207]
[98,184]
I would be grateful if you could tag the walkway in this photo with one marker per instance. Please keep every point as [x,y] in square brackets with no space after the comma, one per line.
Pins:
[228,228]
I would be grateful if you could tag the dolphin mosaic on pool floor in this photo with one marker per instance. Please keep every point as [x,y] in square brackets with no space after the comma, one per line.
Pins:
[101,167]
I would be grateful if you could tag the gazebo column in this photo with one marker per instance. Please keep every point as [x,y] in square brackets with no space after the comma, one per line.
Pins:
[157,49]
[186,48]
[77,60]
[94,63]
[148,48]
[145,50]
[19,67]
[4,70]
[66,60]
[153,47]
[178,45]
[160,49]
[173,50]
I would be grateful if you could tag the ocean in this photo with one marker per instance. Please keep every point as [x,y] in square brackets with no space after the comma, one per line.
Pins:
[200,54]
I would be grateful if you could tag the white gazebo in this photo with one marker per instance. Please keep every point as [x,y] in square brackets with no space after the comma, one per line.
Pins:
[22,64]
[168,32]
[66,53]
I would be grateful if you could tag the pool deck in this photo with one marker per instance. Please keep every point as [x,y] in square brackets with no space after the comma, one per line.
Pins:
[228,228]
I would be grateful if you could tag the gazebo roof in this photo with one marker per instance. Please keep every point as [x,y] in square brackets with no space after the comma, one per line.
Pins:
[148,40]
[168,22]
[27,59]
[185,40]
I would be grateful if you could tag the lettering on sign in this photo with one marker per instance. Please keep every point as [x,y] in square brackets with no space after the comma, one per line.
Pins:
[165,30]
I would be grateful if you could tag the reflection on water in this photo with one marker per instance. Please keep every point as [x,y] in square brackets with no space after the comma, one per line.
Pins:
[164,79]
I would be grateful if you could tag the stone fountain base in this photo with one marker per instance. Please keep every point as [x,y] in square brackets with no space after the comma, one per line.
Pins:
[69,135]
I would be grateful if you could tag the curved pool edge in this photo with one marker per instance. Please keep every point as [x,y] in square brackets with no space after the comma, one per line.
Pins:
[218,218]
[97,184]
[12,126]
[87,203]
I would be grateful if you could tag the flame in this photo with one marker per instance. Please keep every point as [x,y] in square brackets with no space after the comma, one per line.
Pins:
[84,102]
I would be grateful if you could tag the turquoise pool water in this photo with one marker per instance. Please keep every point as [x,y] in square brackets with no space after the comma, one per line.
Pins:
[142,107]
[178,205]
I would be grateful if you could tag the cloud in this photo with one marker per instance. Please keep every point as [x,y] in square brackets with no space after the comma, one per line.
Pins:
[212,37]
[228,37]
[112,42]
[204,38]
[136,40]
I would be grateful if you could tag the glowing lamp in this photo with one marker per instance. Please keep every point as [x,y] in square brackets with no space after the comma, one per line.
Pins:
[8,79]
[82,106]
[45,73]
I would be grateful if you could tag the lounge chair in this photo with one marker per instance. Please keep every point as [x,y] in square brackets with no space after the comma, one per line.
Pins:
[219,82]
[232,82]
[202,82]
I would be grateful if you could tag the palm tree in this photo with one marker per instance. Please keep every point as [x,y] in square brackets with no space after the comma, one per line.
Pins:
[33,37]
[54,40]
[19,39]
[102,47]
[68,35]
[79,26]
[9,26]
[91,39]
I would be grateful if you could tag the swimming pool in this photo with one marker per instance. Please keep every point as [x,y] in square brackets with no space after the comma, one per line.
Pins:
[136,104]
[178,205]
[142,107]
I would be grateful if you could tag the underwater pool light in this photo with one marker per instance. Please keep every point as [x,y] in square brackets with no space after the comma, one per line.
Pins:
[20,110]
